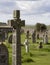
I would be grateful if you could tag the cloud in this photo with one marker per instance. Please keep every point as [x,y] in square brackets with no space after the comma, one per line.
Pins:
[32,11]
[7,7]
[27,0]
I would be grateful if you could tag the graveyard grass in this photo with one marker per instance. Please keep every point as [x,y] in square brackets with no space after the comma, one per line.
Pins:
[35,56]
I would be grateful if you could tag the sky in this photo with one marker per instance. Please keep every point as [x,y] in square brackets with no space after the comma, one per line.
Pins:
[32,11]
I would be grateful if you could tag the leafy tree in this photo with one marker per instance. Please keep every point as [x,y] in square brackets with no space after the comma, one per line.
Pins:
[41,27]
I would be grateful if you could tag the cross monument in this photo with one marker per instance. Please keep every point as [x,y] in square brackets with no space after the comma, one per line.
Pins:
[16,23]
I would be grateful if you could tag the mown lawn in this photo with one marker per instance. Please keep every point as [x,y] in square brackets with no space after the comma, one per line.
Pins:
[35,56]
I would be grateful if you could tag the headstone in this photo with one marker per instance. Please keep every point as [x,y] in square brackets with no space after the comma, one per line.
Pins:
[37,36]
[16,23]
[40,45]
[27,34]
[4,55]
[26,43]
[45,39]
[34,37]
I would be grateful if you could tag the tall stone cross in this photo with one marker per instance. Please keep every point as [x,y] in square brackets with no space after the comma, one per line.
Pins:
[16,23]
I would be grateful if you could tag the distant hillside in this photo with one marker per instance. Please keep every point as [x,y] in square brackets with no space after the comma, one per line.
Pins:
[33,26]
[30,26]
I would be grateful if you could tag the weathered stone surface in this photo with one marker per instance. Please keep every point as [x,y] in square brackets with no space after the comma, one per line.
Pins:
[16,23]
[16,14]
[2,36]
[4,30]
[37,36]
[27,34]
[45,39]
[26,43]
[4,56]
[34,37]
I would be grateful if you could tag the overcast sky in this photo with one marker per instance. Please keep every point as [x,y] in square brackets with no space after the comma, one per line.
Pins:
[32,11]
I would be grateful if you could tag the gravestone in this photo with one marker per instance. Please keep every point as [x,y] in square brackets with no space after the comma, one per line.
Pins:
[27,34]
[34,37]
[40,45]
[37,36]
[45,37]
[26,43]
[4,55]
[16,23]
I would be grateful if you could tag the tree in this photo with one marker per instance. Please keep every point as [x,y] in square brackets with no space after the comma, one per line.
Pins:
[41,27]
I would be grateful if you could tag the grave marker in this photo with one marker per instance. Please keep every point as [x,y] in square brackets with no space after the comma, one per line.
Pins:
[45,38]
[4,55]
[26,43]
[40,45]
[34,37]
[16,23]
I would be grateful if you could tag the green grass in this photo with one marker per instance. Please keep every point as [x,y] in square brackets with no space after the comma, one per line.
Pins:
[35,56]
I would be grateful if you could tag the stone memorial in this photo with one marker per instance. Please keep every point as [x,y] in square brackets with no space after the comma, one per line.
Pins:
[16,23]
[27,34]
[45,39]
[4,55]
[40,45]
[34,37]
[26,43]
[37,36]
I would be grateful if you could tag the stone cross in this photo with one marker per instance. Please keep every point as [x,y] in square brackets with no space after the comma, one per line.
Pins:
[16,23]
